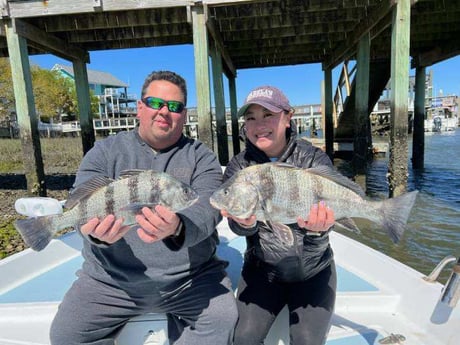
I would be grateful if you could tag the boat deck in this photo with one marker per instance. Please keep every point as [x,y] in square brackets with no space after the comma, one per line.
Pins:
[366,310]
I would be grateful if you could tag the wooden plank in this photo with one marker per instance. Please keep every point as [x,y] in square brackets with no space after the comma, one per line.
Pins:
[138,43]
[328,123]
[202,78]
[49,42]
[4,8]
[233,18]
[25,110]
[418,144]
[261,7]
[226,2]
[344,50]
[117,5]
[234,115]
[280,39]
[279,27]
[446,51]
[140,32]
[38,8]
[229,68]
[84,105]
[125,19]
[221,121]
[362,132]
[398,170]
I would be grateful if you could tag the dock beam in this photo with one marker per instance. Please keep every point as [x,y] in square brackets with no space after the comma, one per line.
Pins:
[400,35]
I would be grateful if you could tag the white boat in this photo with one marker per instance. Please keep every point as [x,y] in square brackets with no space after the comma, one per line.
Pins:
[379,300]
[441,119]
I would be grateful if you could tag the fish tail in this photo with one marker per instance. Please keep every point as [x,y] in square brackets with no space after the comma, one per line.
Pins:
[36,232]
[396,213]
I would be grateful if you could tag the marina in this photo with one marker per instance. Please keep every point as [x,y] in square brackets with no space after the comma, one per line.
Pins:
[370,306]
[384,295]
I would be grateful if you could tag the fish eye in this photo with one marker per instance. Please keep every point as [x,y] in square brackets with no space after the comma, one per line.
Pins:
[226,191]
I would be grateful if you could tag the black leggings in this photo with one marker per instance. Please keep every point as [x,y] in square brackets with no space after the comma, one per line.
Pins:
[310,302]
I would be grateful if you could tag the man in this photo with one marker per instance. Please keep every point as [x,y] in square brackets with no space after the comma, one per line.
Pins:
[167,263]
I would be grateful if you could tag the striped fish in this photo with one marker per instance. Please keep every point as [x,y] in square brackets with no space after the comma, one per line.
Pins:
[101,196]
[278,193]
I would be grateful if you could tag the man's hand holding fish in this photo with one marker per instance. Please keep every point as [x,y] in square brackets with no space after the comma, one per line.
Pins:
[108,230]
[157,224]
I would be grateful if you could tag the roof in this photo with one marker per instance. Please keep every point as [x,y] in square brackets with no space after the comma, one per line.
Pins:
[95,77]
[249,34]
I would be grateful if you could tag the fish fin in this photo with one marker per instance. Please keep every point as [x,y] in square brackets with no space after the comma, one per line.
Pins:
[396,212]
[268,226]
[36,232]
[283,232]
[348,224]
[86,189]
[129,173]
[335,176]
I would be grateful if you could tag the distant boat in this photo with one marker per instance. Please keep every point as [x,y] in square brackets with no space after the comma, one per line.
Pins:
[379,300]
[441,119]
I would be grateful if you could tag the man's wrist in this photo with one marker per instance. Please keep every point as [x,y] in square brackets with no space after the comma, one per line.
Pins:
[178,229]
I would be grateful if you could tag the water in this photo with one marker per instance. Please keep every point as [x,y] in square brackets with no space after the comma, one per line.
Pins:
[433,229]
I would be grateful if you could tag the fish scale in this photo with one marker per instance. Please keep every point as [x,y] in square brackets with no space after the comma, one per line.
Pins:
[101,196]
[278,193]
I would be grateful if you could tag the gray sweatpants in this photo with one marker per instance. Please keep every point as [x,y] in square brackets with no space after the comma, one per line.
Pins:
[201,311]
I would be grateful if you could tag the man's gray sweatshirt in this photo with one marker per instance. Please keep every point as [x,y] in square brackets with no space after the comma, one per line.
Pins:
[130,263]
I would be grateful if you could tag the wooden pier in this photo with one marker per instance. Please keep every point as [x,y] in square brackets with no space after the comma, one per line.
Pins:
[230,35]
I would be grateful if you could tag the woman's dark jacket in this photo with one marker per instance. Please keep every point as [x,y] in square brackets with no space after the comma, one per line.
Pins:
[309,254]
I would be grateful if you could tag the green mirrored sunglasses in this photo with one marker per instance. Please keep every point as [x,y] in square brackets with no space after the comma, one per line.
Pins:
[158,103]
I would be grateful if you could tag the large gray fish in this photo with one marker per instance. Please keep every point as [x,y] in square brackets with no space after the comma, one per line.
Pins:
[101,196]
[278,193]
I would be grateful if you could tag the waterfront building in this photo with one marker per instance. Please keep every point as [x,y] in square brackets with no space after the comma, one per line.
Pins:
[117,108]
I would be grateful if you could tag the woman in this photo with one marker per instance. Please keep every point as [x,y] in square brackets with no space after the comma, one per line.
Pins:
[301,276]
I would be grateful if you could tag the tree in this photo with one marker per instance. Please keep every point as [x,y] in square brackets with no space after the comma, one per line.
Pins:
[54,94]
[94,104]
[6,90]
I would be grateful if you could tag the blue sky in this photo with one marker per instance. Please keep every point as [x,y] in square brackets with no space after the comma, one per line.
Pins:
[301,83]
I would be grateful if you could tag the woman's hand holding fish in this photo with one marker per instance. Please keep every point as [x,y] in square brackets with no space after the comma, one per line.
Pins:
[109,230]
[156,224]
[249,222]
[320,218]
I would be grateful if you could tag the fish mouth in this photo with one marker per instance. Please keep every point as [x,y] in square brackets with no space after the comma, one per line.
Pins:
[214,203]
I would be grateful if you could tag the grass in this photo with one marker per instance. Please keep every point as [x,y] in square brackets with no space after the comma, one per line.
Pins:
[60,155]
[11,157]
[10,240]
